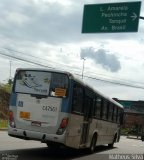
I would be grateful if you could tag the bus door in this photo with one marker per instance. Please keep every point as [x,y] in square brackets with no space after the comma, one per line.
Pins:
[75,126]
[88,108]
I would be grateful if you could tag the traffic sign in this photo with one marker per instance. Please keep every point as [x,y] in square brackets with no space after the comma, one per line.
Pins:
[111,17]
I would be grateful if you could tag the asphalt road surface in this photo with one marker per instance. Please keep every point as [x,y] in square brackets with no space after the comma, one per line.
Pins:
[17,149]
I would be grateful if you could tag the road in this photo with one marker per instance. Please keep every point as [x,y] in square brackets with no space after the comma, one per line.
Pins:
[17,149]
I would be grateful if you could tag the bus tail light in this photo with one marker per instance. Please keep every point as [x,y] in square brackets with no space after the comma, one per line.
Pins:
[62,126]
[11,119]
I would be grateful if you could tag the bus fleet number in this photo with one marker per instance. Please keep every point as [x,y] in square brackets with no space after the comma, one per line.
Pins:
[49,108]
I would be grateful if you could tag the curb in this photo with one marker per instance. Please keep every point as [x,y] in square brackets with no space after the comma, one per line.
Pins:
[3,129]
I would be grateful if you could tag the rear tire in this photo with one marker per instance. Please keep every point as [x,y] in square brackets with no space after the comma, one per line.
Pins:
[53,145]
[111,145]
[142,137]
[93,144]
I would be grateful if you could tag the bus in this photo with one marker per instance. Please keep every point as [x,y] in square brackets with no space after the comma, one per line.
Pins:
[56,108]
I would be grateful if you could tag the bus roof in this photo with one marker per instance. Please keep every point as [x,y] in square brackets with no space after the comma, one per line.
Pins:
[73,76]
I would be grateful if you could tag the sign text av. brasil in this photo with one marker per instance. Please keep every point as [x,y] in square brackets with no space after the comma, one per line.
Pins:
[111,17]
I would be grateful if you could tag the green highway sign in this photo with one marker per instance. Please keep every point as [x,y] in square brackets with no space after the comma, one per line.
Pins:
[111,17]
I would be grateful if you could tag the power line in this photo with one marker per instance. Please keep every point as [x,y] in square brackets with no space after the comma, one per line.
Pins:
[24,53]
[29,61]
[112,77]
[128,81]
[114,82]
[94,78]
[60,65]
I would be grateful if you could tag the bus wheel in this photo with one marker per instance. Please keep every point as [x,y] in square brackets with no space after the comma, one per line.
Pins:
[142,137]
[112,144]
[93,144]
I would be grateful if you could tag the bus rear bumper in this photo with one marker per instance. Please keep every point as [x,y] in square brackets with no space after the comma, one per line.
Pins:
[33,135]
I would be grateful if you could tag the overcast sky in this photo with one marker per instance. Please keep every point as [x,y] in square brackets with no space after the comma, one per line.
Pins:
[48,32]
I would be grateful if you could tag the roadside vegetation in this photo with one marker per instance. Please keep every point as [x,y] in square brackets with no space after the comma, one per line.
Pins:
[5,90]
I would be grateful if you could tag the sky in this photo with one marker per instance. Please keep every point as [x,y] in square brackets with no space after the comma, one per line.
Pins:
[49,34]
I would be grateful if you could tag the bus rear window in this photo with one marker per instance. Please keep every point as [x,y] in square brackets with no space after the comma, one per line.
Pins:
[59,85]
[41,83]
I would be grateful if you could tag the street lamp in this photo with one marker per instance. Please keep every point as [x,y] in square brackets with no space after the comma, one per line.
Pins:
[10,70]
[83,66]
[10,79]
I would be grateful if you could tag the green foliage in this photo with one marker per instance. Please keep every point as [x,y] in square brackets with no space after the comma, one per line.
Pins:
[7,87]
[5,90]
[5,93]
[125,131]
[3,124]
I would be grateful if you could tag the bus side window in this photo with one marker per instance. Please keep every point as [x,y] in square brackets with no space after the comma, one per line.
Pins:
[88,103]
[115,114]
[101,108]
[94,107]
[120,117]
[88,107]
[77,102]
[108,108]
[105,104]
[110,112]
[98,107]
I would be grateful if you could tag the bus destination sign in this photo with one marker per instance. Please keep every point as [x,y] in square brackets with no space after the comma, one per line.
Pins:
[111,17]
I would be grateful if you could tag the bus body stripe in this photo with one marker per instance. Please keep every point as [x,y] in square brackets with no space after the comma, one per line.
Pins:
[65,106]
[13,99]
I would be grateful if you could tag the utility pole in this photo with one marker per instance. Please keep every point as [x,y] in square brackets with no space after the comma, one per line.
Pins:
[10,70]
[10,78]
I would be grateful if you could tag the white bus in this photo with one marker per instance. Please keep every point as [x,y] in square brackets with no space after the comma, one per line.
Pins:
[56,108]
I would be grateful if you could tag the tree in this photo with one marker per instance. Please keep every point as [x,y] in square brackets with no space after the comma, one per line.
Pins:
[5,90]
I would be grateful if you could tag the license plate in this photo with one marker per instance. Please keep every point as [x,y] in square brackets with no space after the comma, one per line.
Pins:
[35,123]
[25,115]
